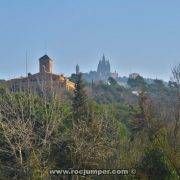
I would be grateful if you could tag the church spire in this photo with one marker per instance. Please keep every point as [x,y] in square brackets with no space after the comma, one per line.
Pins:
[103,58]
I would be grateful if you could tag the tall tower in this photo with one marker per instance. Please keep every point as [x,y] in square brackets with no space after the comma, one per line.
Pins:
[45,64]
[77,69]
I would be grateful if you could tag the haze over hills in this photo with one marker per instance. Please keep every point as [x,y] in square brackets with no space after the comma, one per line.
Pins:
[68,111]
[104,71]
[138,36]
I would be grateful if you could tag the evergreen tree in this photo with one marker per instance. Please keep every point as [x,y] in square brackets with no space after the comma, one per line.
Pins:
[73,78]
[80,104]
[112,81]
[154,165]
[137,82]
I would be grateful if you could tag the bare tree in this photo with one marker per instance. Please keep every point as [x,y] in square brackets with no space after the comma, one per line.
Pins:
[28,125]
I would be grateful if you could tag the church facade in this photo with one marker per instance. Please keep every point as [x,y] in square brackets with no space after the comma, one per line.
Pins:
[103,69]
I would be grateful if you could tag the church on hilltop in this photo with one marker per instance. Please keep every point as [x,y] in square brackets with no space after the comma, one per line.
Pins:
[103,69]
[45,79]
[102,74]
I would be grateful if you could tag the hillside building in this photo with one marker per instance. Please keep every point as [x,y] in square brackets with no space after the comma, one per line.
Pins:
[44,79]
[102,74]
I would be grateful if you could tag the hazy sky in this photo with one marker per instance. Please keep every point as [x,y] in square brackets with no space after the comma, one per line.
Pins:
[136,35]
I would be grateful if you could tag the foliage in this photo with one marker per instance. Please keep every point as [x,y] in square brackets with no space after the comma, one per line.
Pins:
[137,82]
[101,127]
[80,105]
[154,165]
[107,94]
[112,81]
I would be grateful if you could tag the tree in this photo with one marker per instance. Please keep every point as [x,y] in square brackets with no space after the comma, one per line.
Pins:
[156,127]
[90,147]
[73,78]
[137,82]
[159,82]
[80,101]
[28,127]
[112,81]
[154,165]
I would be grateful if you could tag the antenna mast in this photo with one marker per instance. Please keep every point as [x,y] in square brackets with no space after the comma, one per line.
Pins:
[46,47]
[26,64]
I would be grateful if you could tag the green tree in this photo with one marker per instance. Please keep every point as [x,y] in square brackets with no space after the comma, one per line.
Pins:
[137,82]
[112,81]
[154,165]
[73,78]
[80,101]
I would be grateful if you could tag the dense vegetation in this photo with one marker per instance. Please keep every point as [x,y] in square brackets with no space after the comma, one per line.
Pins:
[97,127]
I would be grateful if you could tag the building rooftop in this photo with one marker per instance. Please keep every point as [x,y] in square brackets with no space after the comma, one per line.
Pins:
[45,57]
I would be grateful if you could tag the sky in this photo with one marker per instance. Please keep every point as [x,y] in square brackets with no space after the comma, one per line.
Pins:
[135,35]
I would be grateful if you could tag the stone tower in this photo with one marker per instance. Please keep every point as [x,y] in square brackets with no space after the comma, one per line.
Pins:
[45,64]
[77,69]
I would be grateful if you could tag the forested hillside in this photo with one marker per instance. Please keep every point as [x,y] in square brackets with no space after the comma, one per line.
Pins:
[102,126]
